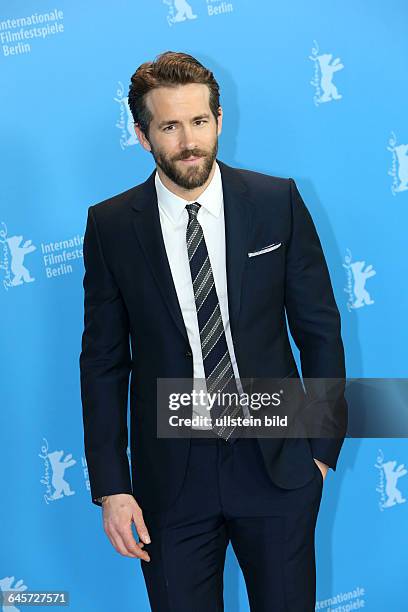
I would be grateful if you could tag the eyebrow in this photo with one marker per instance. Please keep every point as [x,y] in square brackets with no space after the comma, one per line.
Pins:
[171,121]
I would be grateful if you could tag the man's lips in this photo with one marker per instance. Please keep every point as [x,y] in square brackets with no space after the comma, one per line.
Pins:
[190,160]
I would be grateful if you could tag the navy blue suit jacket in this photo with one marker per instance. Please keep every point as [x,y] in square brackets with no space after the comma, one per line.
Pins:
[133,327]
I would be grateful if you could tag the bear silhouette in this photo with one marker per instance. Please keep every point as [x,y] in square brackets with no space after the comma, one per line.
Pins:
[58,470]
[360,277]
[17,259]
[184,11]
[391,474]
[6,585]
[326,82]
[401,153]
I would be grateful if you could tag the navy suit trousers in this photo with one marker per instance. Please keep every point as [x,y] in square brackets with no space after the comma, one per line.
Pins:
[227,496]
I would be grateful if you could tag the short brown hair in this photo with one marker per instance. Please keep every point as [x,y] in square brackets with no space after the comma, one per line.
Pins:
[169,69]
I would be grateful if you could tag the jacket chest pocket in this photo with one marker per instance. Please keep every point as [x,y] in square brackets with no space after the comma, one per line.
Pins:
[269,248]
[265,270]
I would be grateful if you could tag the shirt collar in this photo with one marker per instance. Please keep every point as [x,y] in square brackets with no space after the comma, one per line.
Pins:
[174,206]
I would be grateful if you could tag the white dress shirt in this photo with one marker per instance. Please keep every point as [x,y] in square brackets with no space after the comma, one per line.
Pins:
[173,219]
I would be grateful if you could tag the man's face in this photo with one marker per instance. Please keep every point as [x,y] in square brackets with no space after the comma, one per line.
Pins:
[183,134]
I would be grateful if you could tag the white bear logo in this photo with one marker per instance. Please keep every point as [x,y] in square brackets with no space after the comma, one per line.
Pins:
[392,475]
[125,123]
[58,470]
[357,277]
[360,276]
[325,89]
[180,11]
[18,254]
[5,585]
[327,70]
[399,170]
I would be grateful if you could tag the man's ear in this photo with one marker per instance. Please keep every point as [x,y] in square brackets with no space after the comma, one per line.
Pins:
[219,121]
[141,137]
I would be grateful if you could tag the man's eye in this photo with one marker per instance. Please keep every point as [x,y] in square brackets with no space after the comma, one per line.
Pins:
[168,127]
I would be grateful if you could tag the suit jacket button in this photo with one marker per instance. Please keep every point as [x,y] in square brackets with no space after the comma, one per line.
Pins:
[189,354]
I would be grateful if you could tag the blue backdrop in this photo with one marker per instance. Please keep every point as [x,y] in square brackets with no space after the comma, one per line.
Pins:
[312,90]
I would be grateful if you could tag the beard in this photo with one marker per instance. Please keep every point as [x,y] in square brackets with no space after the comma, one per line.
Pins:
[191,176]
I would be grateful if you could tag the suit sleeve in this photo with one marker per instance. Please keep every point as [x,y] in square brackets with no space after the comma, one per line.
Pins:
[105,365]
[314,323]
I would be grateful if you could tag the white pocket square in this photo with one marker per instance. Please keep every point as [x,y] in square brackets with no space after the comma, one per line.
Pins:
[270,247]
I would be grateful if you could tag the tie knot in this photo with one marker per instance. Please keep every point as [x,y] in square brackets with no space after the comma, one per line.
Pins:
[193,209]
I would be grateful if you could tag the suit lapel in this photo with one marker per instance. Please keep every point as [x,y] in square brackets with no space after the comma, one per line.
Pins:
[237,231]
[146,224]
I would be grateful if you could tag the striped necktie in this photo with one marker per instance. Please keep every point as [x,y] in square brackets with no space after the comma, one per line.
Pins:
[218,369]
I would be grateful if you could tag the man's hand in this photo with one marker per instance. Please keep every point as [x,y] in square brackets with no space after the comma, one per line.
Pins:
[118,513]
[323,467]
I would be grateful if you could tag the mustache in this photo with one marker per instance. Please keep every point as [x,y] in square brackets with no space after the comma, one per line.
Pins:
[188,154]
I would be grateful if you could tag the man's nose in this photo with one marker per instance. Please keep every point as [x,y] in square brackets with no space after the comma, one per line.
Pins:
[187,138]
